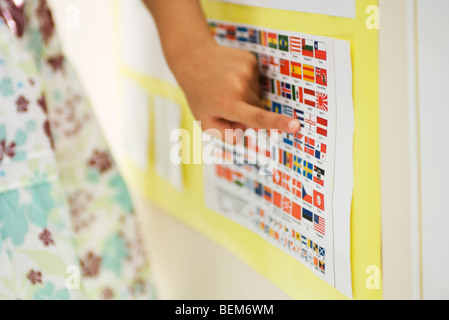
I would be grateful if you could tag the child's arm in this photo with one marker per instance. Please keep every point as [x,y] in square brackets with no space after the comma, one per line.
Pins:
[221,84]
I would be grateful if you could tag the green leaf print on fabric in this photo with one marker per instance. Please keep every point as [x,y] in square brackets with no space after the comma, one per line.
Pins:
[6,89]
[122,195]
[42,204]
[13,223]
[114,254]
[48,293]
[17,208]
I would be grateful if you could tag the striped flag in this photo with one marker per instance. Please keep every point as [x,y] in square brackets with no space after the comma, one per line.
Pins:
[309,97]
[264,61]
[296,70]
[221,31]
[275,87]
[319,224]
[318,175]
[307,48]
[272,40]
[264,38]
[299,114]
[306,214]
[308,73]
[287,110]
[298,95]
[242,34]
[295,45]
[320,50]
[321,128]
[321,101]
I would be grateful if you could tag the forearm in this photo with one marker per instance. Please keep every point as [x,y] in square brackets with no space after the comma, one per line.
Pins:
[182,28]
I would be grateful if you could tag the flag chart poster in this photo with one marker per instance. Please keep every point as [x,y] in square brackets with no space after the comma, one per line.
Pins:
[293,190]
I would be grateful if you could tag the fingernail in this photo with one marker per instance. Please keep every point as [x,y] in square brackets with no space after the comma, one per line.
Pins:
[294,125]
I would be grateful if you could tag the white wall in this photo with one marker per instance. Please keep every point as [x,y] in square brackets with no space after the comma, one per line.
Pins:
[433,77]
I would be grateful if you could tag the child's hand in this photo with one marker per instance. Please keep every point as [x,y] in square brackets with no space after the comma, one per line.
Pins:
[223,90]
[221,84]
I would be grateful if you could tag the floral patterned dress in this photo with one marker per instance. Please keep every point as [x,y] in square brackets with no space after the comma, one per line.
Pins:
[67,228]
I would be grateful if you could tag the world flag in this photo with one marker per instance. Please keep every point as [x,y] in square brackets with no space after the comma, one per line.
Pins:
[309,146]
[287,110]
[231,32]
[307,170]
[297,188]
[319,224]
[296,213]
[307,194]
[299,143]
[295,45]
[277,199]
[264,38]
[297,164]
[242,34]
[288,160]
[307,48]
[318,175]
[267,194]
[285,67]
[320,151]
[296,70]
[320,50]
[283,43]
[308,73]
[321,101]
[275,87]
[276,107]
[286,182]
[286,90]
[264,61]
[288,138]
[258,188]
[221,31]
[307,214]
[299,114]
[277,178]
[321,128]
[309,97]
[310,122]
[321,76]
[272,40]
[287,205]
[298,94]
[274,64]
[254,36]
[318,200]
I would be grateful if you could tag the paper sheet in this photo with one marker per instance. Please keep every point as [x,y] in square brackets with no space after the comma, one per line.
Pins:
[341,8]
[295,191]
[167,115]
[136,123]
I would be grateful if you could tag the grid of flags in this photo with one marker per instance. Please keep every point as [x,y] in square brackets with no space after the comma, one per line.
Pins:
[299,244]
[278,41]
[296,73]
